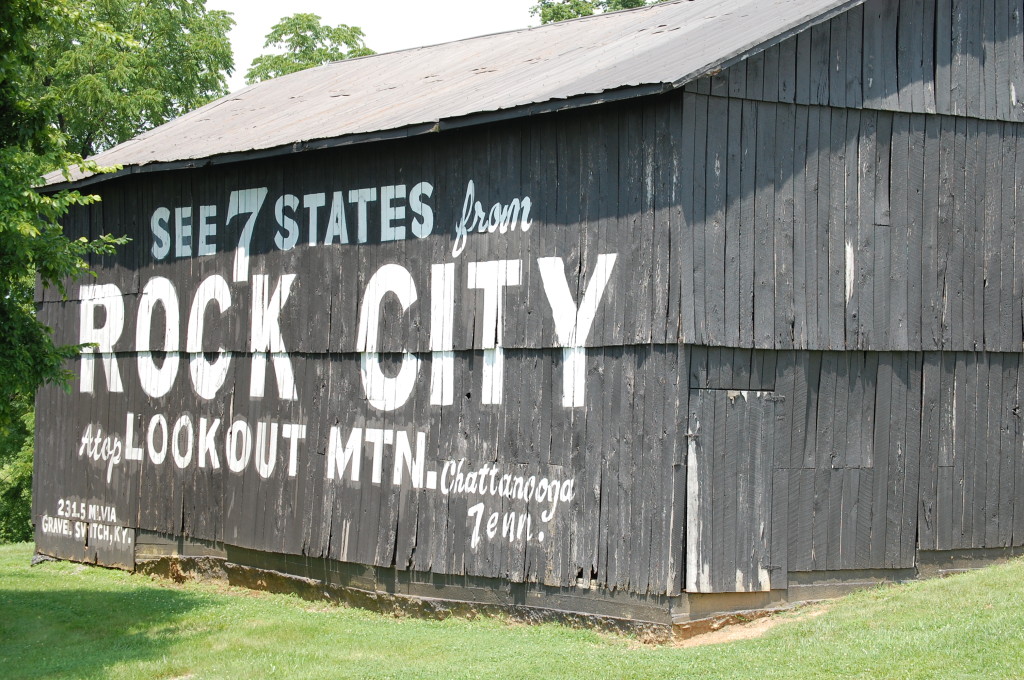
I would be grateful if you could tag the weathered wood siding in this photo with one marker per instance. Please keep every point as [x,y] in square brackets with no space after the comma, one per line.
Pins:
[775,226]
[798,306]
[950,57]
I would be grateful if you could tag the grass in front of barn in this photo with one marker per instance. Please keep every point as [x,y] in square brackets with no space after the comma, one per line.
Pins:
[62,620]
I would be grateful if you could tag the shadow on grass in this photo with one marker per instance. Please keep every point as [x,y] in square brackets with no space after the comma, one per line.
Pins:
[80,632]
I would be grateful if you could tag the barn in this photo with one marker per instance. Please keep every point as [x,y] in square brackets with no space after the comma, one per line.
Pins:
[643,317]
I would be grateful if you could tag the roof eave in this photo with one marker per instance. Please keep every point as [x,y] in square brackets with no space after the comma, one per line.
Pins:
[443,125]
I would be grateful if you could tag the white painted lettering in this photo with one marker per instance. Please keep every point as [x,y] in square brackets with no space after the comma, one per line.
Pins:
[183,232]
[501,217]
[266,337]
[207,432]
[157,380]
[384,393]
[476,512]
[341,457]
[207,376]
[312,203]
[131,452]
[266,448]
[493,277]
[287,222]
[391,213]
[157,454]
[294,434]
[337,228]
[241,202]
[239,446]
[101,338]
[362,197]
[423,213]
[573,323]
[404,459]
[158,224]
[378,438]
[207,230]
[182,425]
[442,322]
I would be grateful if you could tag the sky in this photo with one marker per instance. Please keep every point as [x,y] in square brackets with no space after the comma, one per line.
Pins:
[389,25]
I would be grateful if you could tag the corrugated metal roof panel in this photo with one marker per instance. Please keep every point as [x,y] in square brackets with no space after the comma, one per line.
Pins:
[666,44]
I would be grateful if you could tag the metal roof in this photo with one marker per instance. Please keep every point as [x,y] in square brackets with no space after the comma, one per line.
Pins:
[561,65]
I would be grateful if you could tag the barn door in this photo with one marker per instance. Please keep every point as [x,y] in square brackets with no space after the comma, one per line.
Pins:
[728,495]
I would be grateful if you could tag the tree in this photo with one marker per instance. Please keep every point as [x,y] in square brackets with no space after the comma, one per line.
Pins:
[306,43]
[16,444]
[32,243]
[550,11]
[126,66]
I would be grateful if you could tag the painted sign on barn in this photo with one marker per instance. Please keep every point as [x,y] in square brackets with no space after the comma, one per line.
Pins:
[377,367]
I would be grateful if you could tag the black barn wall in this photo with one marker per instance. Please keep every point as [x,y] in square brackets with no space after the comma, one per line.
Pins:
[806,358]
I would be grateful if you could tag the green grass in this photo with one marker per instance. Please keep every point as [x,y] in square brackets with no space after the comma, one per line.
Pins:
[62,620]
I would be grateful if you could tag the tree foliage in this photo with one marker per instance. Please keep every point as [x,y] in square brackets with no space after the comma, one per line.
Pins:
[124,66]
[16,444]
[32,243]
[550,11]
[306,42]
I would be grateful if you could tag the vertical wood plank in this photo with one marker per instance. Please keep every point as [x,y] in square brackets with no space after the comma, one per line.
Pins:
[734,201]
[764,208]
[785,314]
[943,56]
[716,168]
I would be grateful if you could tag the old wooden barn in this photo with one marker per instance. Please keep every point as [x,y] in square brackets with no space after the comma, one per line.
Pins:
[645,316]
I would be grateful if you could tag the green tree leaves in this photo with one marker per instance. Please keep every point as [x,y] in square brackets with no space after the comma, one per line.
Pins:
[306,43]
[32,243]
[116,68]
[550,11]
[16,478]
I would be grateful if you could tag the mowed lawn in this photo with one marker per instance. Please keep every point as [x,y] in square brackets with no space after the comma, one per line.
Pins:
[62,620]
